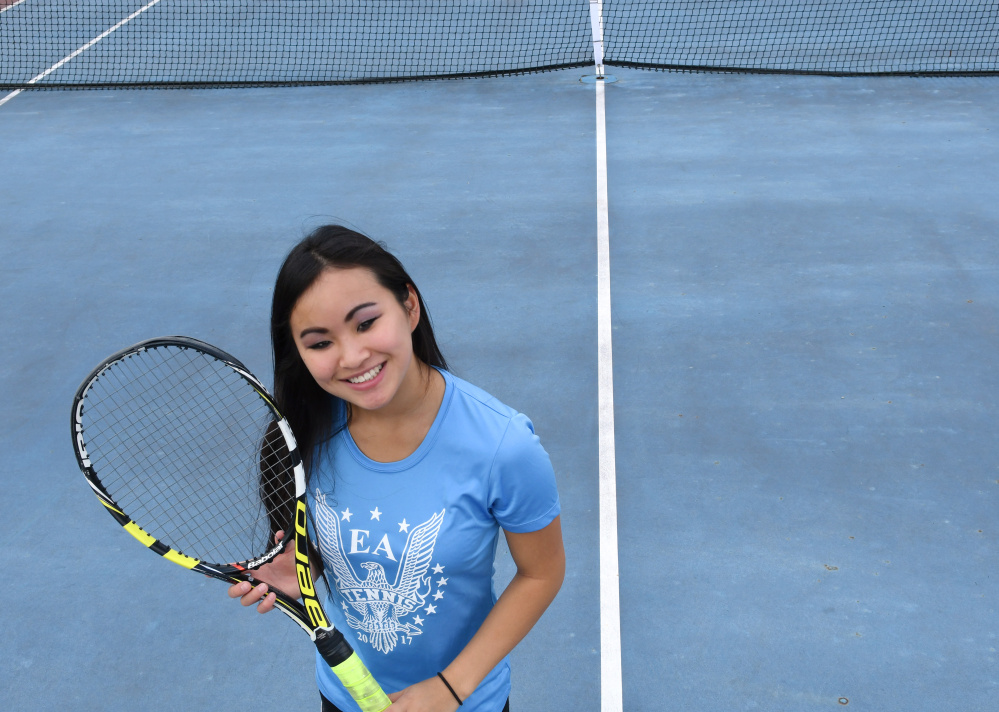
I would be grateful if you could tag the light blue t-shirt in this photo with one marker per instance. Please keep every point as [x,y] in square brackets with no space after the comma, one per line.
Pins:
[409,545]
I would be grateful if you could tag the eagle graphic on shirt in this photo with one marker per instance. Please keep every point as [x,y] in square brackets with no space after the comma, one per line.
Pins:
[381,607]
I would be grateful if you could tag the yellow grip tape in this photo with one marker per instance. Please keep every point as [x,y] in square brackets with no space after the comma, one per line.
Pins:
[361,685]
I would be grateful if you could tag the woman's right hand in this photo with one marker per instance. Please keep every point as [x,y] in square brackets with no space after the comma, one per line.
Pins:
[279,573]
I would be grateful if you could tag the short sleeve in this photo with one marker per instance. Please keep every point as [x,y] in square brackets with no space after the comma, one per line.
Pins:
[523,496]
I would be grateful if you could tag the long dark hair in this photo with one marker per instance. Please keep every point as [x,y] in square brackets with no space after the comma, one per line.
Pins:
[310,410]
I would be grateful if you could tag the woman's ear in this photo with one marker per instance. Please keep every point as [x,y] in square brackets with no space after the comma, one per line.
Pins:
[412,305]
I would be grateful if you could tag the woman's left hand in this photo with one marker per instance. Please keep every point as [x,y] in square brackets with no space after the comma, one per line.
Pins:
[427,696]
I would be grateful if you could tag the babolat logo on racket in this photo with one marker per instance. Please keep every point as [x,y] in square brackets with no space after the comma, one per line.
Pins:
[312,606]
[262,560]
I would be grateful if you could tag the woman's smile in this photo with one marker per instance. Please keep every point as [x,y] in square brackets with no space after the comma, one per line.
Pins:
[368,378]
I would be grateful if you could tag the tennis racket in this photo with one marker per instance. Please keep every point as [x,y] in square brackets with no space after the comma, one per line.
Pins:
[188,452]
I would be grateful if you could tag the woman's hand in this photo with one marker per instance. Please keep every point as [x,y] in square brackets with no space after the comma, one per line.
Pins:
[430,695]
[279,573]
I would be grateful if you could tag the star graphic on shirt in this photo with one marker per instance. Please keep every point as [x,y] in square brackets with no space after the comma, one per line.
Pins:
[442,581]
[438,569]
[346,514]
[439,595]
[418,620]
[404,525]
[431,609]
[375,514]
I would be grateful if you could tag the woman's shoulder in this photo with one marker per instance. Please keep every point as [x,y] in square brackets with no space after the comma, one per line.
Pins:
[501,433]
[479,409]
[474,394]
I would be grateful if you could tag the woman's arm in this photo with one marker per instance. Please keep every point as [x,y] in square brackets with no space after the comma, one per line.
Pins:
[540,560]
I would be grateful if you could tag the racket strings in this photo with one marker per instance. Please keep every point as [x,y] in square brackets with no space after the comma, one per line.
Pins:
[149,431]
[186,494]
[181,493]
[191,452]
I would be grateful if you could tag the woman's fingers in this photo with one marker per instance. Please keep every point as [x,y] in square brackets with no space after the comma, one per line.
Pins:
[250,595]
[267,604]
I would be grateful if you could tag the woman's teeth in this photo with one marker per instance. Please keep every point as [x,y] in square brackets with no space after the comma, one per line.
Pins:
[365,377]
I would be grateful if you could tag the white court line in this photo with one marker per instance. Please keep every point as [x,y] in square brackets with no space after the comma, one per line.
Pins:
[79,51]
[610,603]
[611,685]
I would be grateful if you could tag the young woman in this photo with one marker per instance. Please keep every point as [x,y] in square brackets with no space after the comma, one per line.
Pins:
[412,472]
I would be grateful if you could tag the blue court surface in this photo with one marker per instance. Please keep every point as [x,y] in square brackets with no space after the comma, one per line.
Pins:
[805,320]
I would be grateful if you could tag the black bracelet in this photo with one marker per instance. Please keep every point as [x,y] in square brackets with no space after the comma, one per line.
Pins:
[450,689]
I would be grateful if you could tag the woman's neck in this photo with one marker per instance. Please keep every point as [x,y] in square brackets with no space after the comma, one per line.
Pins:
[394,432]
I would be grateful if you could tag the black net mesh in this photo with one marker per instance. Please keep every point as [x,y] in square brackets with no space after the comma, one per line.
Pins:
[77,43]
[260,42]
[804,36]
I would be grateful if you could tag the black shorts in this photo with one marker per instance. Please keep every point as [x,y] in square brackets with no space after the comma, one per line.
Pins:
[330,707]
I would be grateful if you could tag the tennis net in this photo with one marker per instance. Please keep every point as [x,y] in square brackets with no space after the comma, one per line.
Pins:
[102,43]
[805,36]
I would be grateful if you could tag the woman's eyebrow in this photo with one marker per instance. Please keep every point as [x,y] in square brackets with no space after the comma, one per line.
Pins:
[359,307]
[313,330]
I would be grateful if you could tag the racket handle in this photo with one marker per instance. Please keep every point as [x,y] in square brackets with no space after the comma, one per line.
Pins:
[351,672]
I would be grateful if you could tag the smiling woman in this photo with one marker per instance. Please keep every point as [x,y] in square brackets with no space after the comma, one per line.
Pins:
[412,473]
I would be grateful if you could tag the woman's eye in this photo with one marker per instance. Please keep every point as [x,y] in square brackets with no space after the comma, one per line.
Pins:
[318,346]
[367,324]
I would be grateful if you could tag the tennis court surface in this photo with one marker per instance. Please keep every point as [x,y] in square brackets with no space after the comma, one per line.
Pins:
[802,309]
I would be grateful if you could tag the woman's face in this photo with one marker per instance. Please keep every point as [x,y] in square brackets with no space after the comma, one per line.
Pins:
[356,338]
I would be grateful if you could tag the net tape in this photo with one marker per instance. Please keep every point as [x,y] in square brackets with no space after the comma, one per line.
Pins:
[263,42]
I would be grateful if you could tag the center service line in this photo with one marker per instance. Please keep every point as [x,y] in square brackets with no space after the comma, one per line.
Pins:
[611,694]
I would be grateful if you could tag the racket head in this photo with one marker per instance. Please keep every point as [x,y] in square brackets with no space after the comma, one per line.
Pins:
[182,443]
[180,436]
